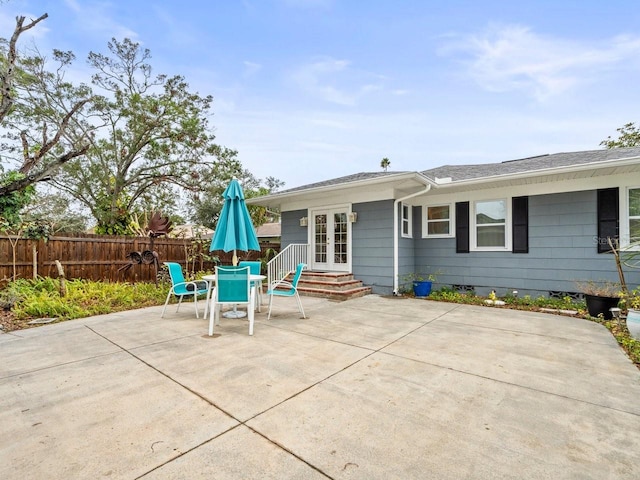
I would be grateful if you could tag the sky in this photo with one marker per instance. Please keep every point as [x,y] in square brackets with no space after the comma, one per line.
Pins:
[308,90]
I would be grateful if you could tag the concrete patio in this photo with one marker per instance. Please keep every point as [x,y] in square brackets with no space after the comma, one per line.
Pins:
[371,388]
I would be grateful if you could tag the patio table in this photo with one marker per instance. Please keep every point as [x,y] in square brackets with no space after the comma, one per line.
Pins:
[211,280]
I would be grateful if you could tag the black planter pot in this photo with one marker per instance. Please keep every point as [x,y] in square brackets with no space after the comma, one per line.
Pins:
[600,305]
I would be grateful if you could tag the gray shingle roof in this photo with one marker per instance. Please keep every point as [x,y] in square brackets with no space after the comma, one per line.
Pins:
[468,172]
[337,181]
[486,170]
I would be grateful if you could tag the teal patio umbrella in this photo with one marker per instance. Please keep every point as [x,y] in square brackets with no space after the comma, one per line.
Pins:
[234,230]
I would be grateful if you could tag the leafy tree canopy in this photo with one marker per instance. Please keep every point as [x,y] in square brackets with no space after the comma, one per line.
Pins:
[151,133]
[138,140]
[55,210]
[36,149]
[629,136]
[204,206]
[37,111]
[12,203]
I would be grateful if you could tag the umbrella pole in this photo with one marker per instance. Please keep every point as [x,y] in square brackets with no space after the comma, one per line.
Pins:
[235,313]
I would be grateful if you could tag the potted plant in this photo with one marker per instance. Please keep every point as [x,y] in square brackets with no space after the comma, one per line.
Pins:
[421,283]
[632,302]
[600,297]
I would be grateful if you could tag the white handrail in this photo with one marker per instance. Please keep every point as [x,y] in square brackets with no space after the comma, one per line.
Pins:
[286,262]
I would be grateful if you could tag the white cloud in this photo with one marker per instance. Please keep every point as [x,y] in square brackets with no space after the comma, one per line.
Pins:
[335,81]
[95,17]
[513,57]
[313,78]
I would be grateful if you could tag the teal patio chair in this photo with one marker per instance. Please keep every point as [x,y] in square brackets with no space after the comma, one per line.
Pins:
[282,288]
[233,287]
[254,269]
[181,288]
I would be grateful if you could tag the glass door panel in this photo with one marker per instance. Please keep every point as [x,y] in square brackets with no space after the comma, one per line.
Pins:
[340,237]
[331,240]
[320,238]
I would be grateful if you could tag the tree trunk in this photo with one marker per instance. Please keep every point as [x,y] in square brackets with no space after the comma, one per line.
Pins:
[63,285]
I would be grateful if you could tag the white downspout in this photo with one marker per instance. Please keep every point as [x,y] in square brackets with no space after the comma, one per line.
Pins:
[395,233]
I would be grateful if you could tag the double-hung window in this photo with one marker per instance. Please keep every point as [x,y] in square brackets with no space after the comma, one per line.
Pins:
[406,220]
[490,224]
[634,215]
[438,221]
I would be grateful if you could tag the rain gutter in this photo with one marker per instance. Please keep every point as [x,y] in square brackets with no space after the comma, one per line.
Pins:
[427,185]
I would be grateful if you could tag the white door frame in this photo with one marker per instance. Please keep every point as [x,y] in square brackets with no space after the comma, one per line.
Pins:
[330,265]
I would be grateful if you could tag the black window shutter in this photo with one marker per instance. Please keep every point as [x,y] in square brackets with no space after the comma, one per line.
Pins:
[462,227]
[520,224]
[608,217]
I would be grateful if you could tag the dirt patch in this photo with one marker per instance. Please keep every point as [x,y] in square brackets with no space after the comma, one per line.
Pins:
[9,322]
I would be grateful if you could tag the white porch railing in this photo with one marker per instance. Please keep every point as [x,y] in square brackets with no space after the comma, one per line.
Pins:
[286,261]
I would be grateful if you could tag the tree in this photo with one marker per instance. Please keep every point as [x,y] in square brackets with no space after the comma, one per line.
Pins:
[205,205]
[151,134]
[55,210]
[37,110]
[137,143]
[261,215]
[629,136]
[384,163]
[13,202]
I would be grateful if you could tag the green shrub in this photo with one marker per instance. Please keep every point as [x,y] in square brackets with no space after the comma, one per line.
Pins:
[41,298]
[447,294]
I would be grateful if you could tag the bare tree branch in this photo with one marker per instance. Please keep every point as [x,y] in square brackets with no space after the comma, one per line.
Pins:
[31,160]
[7,78]
[44,173]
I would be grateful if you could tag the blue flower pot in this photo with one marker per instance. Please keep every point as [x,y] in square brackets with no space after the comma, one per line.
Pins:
[422,288]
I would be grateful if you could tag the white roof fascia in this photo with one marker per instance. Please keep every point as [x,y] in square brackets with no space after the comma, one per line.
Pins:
[419,177]
[543,171]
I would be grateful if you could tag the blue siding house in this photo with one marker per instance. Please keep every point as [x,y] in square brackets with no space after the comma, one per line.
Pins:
[536,225]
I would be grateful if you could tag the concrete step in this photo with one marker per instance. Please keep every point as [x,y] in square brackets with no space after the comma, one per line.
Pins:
[325,285]
[335,294]
[332,285]
[326,276]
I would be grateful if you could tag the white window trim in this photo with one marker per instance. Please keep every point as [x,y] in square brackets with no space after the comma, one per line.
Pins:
[474,231]
[625,227]
[409,220]
[425,222]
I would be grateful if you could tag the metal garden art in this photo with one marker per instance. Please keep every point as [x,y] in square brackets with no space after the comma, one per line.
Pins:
[156,227]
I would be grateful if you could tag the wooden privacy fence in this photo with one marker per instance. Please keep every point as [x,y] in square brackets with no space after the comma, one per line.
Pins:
[101,257]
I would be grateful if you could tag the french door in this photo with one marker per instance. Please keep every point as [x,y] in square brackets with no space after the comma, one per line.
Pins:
[331,240]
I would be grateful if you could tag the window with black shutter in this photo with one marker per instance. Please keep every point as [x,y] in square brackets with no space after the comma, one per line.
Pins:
[520,226]
[462,227]
[608,217]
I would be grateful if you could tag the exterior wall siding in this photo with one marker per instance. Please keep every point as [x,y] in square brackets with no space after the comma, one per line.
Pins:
[291,231]
[562,251]
[372,235]
[372,243]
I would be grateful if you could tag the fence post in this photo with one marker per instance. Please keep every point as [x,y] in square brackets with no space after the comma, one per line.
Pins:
[41,245]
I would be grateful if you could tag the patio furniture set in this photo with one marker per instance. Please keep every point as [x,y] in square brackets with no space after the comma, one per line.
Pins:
[239,284]
[231,286]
